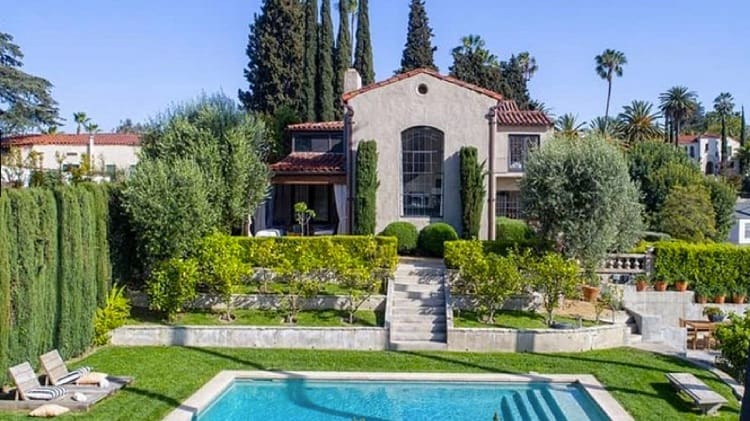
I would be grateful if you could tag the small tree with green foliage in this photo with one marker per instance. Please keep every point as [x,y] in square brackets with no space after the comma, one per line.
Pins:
[172,285]
[723,199]
[221,267]
[366,186]
[360,280]
[472,191]
[264,256]
[305,272]
[303,215]
[554,277]
[493,278]
[112,315]
[734,341]
[688,215]
[579,196]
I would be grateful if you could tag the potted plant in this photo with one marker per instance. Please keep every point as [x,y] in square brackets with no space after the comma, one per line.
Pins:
[702,291]
[714,314]
[739,294]
[661,285]
[680,283]
[591,286]
[641,282]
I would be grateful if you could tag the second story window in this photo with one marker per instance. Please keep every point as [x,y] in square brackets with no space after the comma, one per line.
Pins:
[318,142]
[692,152]
[520,147]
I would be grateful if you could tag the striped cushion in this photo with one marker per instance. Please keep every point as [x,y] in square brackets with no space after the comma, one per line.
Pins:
[45,393]
[74,375]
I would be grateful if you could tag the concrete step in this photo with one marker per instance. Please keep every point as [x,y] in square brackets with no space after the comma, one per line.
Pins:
[399,303]
[418,346]
[431,282]
[417,318]
[418,295]
[420,311]
[416,287]
[418,336]
[421,328]
[633,339]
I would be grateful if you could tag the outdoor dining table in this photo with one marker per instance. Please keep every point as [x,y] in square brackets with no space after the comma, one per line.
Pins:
[700,328]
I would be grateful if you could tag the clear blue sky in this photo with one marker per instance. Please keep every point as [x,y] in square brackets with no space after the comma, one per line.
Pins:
[132,58]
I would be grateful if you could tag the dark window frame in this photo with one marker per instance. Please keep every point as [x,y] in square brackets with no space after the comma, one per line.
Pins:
[422,156]
[335,142]
[508,204]
[527,143]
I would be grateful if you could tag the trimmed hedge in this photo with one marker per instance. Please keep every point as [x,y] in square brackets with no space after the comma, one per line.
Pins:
[432,238]
[278,251]
[54,264]
[406,235]
[515,230]
[456,251]
[710,269]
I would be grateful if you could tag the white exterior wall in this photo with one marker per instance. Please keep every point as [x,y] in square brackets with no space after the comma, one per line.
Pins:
[122,156]
[708,149]
[384,113]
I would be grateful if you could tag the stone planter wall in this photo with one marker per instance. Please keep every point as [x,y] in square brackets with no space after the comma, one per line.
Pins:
[353,338]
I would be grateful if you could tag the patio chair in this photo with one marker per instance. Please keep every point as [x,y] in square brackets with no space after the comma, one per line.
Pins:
[57,372]
[28,387]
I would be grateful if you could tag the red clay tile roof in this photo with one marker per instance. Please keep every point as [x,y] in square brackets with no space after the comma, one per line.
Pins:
[684,139]
[73,139]
[310,163]
[508,114]
[349,95]
[323,126]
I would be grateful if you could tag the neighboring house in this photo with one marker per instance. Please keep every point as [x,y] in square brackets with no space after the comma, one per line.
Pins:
[109,152]
[705,150]
[740,233]
[420,120]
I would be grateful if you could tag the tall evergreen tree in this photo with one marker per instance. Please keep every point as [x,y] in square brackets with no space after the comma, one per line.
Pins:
[275,48]
[326,103]
[743,129]
[473,63]
[363,50]
[343,54]
[724,106]
[514,82]
[366,186]
[418,51]
[609,64]
[310,73]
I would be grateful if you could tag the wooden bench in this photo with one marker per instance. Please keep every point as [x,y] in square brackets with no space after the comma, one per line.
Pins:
[704,398]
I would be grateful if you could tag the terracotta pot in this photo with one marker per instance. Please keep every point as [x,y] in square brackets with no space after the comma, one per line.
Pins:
[701,299]
[590,293]
[641,285]
[660,286]
[738,299]
[681,286]
[719,299]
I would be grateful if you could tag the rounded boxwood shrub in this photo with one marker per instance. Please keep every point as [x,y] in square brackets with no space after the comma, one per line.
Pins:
[514,230]
[406,236]
[433,236]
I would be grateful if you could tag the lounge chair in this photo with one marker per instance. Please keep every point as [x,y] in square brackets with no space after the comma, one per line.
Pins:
[28,387]
[57,372]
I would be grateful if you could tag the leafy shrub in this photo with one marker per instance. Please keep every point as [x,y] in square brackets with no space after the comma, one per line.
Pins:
[172,285]
[456,251]
[220,265]
[734,340]
[687,214]
[432,238]
[554,276]
[113,315]
[512,230]
[472,191]
[492,278]
[406,236]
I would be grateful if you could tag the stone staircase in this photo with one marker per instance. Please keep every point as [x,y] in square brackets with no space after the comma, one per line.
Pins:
[417,303]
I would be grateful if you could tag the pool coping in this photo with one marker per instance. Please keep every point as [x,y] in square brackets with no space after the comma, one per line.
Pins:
[211,390]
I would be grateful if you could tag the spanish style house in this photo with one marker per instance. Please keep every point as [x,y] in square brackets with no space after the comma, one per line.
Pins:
[420,120]
[705,150]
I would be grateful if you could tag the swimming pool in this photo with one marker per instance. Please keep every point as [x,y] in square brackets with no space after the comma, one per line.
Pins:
[313,396]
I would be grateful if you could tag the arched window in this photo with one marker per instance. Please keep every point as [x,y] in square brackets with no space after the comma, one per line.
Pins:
[422,171]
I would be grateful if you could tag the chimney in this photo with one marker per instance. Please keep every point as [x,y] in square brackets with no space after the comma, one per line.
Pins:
[352,80]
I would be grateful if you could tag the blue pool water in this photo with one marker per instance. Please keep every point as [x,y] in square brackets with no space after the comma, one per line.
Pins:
[381,400]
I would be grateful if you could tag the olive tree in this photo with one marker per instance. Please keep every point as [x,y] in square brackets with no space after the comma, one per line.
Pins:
[578,194]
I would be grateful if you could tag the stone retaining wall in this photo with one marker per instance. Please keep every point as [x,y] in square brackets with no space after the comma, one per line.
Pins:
[353,338]
[536,340]
[271,302]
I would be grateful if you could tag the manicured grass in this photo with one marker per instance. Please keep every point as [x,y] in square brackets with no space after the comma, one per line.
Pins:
[513,320]
[166,376]
[326,318]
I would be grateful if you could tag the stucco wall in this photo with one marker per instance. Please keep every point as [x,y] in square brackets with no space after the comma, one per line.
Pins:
[502,144]
[383,114]
[537,340]
[122,156]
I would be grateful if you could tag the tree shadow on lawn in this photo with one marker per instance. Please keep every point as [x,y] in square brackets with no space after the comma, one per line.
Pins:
[151,395]
[443,359]
[232,358]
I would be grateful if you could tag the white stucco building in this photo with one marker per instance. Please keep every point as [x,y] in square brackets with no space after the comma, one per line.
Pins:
[419,120]
[705,150]
[740,232]
[109,152]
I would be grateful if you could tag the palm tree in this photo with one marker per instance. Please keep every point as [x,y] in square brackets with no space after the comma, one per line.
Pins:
[607,128]
[608,64]
[535,105]
[53,129]
[638,122]
[92,128]
[724,105]
[81,119]
[528,65]
[677,104]
[567,126]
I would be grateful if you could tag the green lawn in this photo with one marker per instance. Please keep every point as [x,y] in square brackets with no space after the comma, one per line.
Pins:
[165,376]
[325,318]
[512,320]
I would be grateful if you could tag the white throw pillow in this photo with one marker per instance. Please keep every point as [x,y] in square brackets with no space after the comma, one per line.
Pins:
[49,410]
[92,378]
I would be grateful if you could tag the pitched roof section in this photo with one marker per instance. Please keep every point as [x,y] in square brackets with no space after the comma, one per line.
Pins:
[310,163]
[323,126]
[508,114]
[349,95]
[128,139]
[685,139]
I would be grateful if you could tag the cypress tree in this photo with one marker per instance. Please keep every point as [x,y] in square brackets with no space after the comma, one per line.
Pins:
[275,51]
[47,241]
[343,55]
[366,186]
[418,51]
[742,139]
[514,82]
[88,284]
[326,103]
[5,304]
[363,50]
[310,72]
[69,278]
[472,191]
